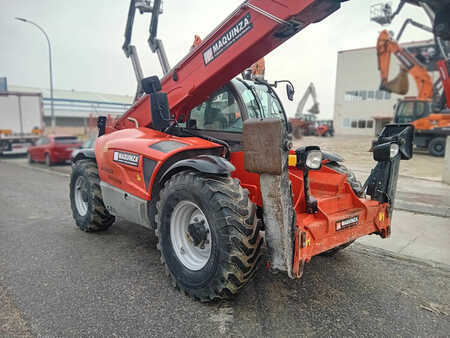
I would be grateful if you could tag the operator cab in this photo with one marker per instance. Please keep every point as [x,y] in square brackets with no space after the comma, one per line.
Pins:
[222,115]
[408,111]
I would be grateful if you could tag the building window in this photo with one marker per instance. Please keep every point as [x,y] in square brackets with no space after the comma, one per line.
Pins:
[363,94]
[346,123]
[387,96]
[362,124]
[371,95]
[379,95]
[370,124]
[354,124]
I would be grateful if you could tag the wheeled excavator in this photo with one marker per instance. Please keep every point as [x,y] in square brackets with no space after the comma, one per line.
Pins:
[429,111]
[205,160]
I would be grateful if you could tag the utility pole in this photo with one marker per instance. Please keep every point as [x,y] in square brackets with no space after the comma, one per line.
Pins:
[52,114]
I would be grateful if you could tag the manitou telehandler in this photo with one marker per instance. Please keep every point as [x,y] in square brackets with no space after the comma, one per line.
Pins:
[205,160]
[429,111]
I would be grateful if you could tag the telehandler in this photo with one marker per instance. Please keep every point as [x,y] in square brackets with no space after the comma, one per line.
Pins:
[205,159]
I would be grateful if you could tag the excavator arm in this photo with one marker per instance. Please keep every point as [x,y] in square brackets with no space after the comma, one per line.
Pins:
[386,46]
[254,29]
[310,91]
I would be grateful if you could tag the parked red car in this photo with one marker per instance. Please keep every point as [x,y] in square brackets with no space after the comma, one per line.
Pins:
[53,149]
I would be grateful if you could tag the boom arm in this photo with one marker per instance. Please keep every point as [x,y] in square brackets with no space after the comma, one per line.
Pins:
[254,29]
[385,47]
[310,91]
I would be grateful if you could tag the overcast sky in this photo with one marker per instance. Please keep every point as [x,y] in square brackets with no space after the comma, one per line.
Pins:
[87,36]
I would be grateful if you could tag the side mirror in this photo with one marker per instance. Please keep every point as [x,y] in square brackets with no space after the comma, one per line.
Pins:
[395,107]
[400,134]
[385,151]
[290,92]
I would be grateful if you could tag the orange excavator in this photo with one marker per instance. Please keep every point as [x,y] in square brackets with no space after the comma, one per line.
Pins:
[432,122]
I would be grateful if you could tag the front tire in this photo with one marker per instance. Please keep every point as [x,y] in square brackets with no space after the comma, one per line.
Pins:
[436,147]
[213,222]
[48,160]
[30,159]
[86,201]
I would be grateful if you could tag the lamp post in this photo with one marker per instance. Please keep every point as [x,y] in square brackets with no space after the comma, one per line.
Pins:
[50,67]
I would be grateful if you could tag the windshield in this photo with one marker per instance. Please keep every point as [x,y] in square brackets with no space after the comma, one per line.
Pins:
[260,100]
[66,140]
[408,111]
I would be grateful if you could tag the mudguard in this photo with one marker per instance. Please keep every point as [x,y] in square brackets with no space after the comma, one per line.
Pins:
[208,164]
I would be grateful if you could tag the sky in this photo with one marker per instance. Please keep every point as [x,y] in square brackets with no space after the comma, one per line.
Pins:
[87,37]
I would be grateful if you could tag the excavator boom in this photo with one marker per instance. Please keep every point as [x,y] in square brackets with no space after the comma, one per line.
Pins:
[386,46]
[254,29]
[310,91]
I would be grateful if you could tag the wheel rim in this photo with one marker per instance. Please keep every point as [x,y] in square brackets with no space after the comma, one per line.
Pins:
[81,200]
[438,148]
[192,255]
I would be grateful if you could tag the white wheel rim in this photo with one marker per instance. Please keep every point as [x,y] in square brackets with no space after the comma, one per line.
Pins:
[191,256]
[80,189]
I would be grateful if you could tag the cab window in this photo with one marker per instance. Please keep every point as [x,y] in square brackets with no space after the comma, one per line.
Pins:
[405,112]
[220,113]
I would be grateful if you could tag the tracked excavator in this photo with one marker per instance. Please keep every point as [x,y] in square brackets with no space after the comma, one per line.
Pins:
[429,111]
[205,160]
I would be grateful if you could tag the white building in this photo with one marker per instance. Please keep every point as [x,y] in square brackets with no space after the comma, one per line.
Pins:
[74,109]
[360,107]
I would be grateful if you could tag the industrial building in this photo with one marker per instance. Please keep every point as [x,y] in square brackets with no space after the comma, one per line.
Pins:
[360,107]
[75,111]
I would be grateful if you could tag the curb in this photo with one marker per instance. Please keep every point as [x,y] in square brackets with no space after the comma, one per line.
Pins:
[421,208]
[373,250]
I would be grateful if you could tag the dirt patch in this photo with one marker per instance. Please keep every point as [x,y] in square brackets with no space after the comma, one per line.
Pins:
[12,322]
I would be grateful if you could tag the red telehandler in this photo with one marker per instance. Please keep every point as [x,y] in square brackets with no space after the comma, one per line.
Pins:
[206,161]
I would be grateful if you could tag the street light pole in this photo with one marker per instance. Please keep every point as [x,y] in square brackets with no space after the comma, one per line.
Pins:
[53,122]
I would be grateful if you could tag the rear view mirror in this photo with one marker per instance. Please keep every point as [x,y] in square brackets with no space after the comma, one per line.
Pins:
[401,134]
[290,92]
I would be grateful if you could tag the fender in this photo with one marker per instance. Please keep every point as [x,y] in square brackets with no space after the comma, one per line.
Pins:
[332,157]
[81,154]
[207,164]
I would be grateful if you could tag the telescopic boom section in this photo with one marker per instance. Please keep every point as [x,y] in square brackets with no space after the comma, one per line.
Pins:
[386,46]
[254,29]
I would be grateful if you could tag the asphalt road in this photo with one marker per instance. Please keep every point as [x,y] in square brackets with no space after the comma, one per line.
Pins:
[58,281]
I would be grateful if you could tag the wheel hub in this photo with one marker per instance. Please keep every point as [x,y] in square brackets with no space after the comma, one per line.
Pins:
[197,233]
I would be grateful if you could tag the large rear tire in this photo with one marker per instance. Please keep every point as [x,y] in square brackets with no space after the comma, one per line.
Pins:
[208,235]
[88,210]
[436,147]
